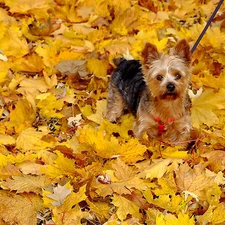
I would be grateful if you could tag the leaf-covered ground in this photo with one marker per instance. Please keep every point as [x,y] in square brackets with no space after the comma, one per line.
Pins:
[61,162]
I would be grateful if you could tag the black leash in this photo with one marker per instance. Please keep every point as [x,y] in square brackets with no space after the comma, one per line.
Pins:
[206,27]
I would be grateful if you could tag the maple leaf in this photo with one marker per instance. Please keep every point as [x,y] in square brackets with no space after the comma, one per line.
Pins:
[49,105]
[59,194]
[31,139]
[62,165]
[13,44]
[203,107]
[22,116]
[100,111]
[171,202]
[159,167]
[16,208]
[4,71]
[170,219]
[97,67]
[32,63]
[6,140]
[69,67]
[99,143]
[125,207]
[132,151]
[193,180]
[74,216]
[25,184]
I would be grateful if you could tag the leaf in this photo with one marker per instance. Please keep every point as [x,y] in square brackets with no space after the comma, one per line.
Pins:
[170,219]
[100,111]
[59,194]
[25,184]
[49,106]
[6,140]
[3,72]
[15,208]
[159,167]
[62,165]
[132,151]
[99,143]
[193,180]
[74,216]
[203,107]
[69,67]
[218,214]
[97,67]
[174,152]
[22,116]
[125,207]
[32,63]
[30,139]
[24,6]
[171,202]
[75,198]
[123,171]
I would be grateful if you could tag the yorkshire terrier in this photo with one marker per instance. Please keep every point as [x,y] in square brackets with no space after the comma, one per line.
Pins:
[155,90]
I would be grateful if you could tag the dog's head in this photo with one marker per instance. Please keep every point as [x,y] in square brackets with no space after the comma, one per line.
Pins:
[167,76]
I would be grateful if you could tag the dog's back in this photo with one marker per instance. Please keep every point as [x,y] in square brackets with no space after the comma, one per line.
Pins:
[129,81]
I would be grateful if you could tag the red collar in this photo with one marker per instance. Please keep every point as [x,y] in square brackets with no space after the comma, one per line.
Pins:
[161,127]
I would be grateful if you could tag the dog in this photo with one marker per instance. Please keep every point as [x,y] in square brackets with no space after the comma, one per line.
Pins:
[155,91]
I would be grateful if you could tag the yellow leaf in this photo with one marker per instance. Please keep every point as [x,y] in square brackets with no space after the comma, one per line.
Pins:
[194,180]
[30,139]
[13,45]
[126,124]
[174,152]
[132,151]
[170,219]
[97,67]
[123,171]
[71,217]
[3,160]
[104,147]
[124,21]
[101,209]
[6,140]
[125,207]
[59,194]
[32,63]
[49,106]
[50,81]
[62,165]
[24,6]
[74,198]
[16,209]
[98,116]
[22,116]
[171,202]
[167,184]
[159,167]
[25,184]
[115,46]
[3,71]
[218,216]
[203,106]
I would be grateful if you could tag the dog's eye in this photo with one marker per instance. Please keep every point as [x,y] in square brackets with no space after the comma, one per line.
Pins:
[159,77]
[177,76]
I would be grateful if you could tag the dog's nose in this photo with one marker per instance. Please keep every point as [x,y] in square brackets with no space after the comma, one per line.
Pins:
[170,87]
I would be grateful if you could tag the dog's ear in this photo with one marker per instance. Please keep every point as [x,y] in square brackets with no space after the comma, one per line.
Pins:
[150,53]
[182,49]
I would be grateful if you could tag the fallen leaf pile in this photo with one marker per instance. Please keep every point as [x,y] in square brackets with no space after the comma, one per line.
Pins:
[61,161]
